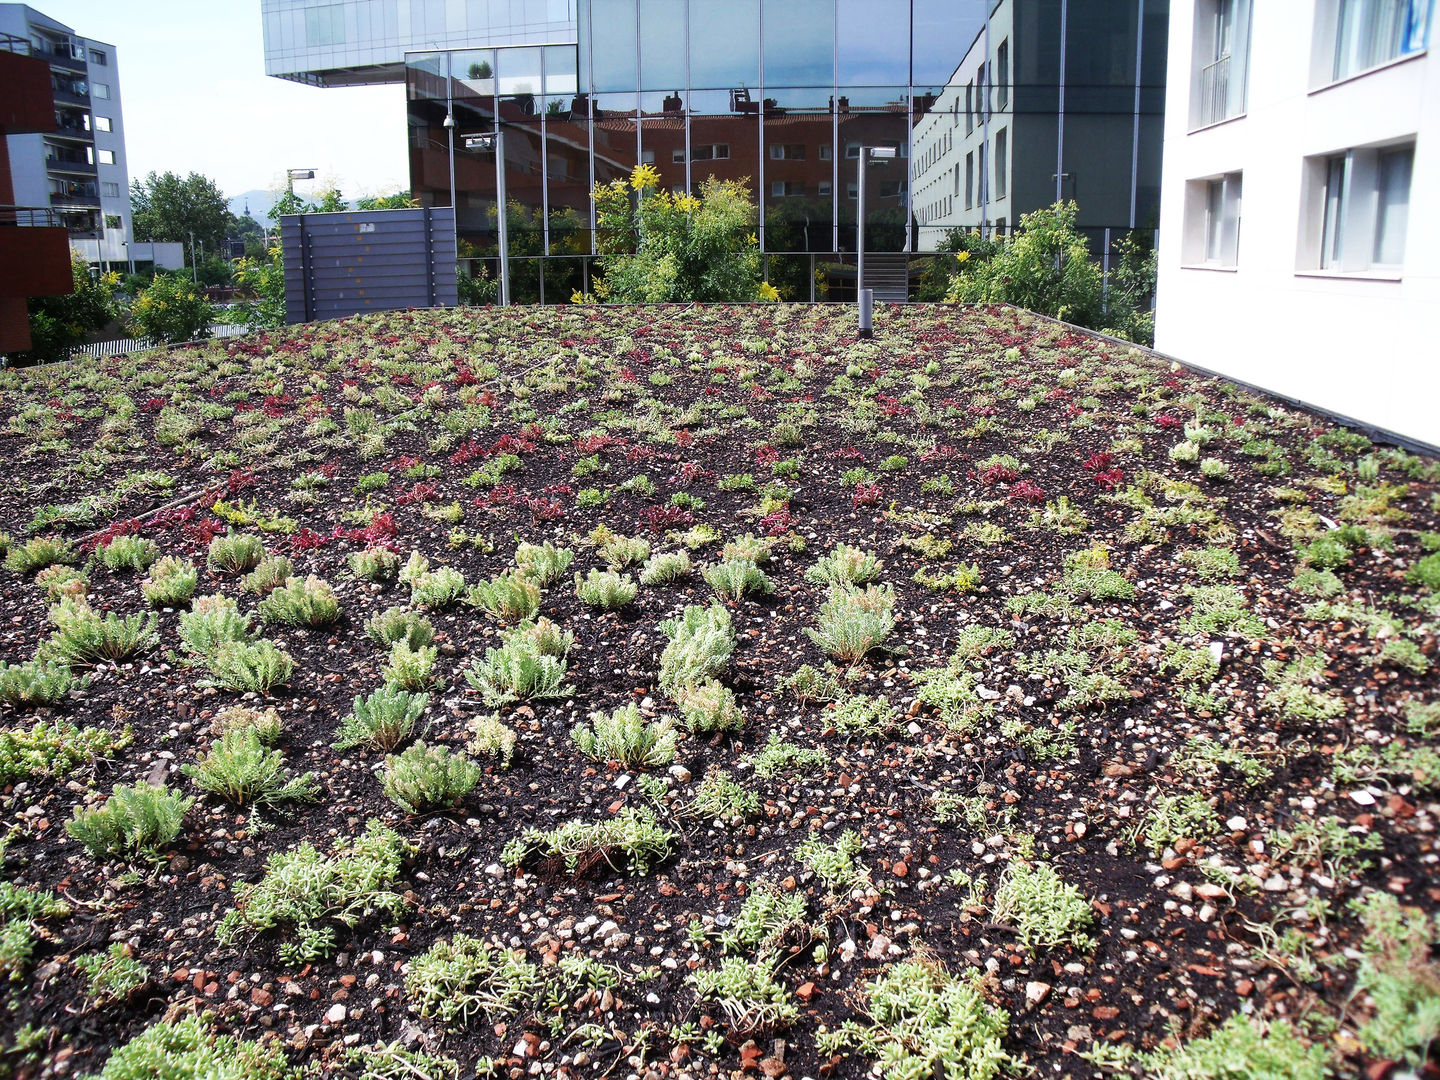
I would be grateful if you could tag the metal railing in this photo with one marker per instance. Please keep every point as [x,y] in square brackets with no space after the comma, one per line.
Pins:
[1214,99]
[125,346]
[13,43]
[29,216]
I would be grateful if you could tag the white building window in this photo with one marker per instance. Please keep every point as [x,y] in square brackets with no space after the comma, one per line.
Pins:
[100,90]
[1002,163]
[827,152]
[107,157]
[786,189]
[787,152]
[1212,221]
[99,57]
[102,123]
[1367,33]
[110,189]
[823,188]
[1220,61]
[1357,207]
[1002,74]
[969,180]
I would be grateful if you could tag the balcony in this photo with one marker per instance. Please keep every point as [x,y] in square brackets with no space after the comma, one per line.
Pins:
[62,58]
[69,166]
[1214,93]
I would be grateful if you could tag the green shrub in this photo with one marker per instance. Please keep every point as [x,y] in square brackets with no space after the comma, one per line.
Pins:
[54,748]
[410,668]
[60,581]
[1400,978]
[127,553]
[264,722]
[172,582]
[544,564]
[268,575]
[112,975]
[190,1049]
[491,738]
[234,554]
[1426,572]
[702,641]
[464,977]
[211,622]
[305,894]
[310,602]
[736,579]
[242,770]
[375,564]
[621,552]
[438,589]
[396,624]
[632,839]
[134,820]
[85,638]
[428,777]
[748,546]
[847,565]
[605,589]
[250,667]
[627,737]
[853,621]
[171,309]
[1045,911]
[518,671]
[36,554]
[35,684]
[511,598]
[544,635]
[665,568]
[382,720]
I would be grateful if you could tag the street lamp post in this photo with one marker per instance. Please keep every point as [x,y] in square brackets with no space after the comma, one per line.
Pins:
[496,140]
[864,298]
[291,175]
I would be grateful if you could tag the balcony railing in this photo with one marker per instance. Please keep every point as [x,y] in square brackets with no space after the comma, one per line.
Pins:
[29,217]
[1214,92]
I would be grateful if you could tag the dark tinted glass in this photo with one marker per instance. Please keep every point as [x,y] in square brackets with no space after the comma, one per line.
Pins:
[799,43]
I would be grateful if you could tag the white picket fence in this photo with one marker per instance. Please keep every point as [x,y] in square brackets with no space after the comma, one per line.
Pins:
[125,346]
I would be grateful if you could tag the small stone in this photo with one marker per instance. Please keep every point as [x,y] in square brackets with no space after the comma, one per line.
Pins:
[680,773]
[1236,823]
[1364,798]
[261,997]
[335,1014]
[1036,992]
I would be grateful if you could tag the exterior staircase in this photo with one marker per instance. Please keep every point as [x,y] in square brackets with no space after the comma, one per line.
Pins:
[888,274]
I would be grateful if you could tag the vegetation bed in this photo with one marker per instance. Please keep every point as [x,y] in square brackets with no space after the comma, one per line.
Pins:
[674,692]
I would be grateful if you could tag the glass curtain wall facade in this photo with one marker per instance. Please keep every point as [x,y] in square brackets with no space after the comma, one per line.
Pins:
[784,94]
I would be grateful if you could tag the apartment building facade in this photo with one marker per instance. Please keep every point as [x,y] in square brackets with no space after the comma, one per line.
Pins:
[1297,253]
[1052,101]
[79,168]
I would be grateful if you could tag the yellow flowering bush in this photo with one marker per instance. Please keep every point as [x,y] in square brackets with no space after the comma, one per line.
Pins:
[171,309]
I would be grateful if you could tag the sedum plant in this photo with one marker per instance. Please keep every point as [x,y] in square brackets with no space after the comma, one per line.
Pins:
[171,583]
[85,638]
[544,564]
[133,820]
[464,977]
[410,668]
[310,602]
[112,975]
[36,554]
[854,621]
[264,722]
[627,737]
[305,894]
[490,738]
[632,839]
[190,1049]
[702,641]
[53,748]
[377,564]
[269,575]
[428,777]
[132,553]
[666,568]
[518,671]
[35,684]
[1045,911]
[396,624]
[511,598]
[605,589]
[621,552]
[211,622]
[709,705]
[437,589]
[243,771]
[61,581]
[382,720]
[250,667]
[234,554]
[845,565]
[735,579]
[747,993]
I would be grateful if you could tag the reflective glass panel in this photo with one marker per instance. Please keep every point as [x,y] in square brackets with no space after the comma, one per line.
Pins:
[662,45]
[612,44]
[560,67]
[799,43]
[874,42]
[724,44]
[943,30]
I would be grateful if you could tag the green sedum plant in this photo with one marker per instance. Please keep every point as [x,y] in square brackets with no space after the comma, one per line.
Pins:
[735,579]
[127,553]
[191,1049]
[234,554]
[310,602]
[134,820]
[250,667]
[85,638]
[172,582]
[1045,911]
[633,840]
[627,737]
[396,624]
[462,978]
[845,565]
[518,671]
[510,598]
[35,684]
[854,621]
[428,777]
[382,719]
[242,770]
[605,589]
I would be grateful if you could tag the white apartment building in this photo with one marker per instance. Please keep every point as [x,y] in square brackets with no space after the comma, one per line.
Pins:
[1297,250]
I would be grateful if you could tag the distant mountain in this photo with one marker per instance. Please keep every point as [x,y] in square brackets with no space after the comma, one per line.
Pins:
[259,202]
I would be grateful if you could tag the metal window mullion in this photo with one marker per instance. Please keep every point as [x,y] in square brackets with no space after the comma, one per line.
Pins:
[544,166]
[835,149]
[1135,131]
[1060,114]
[760,134]
[689,97]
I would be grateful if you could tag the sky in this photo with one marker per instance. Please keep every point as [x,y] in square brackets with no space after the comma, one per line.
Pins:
[196,99]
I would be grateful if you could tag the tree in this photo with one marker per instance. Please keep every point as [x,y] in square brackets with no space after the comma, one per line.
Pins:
[171,309]
[396,200]
[59,323]
[1044,267]
[662,248]
[264,279]
[168,208]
